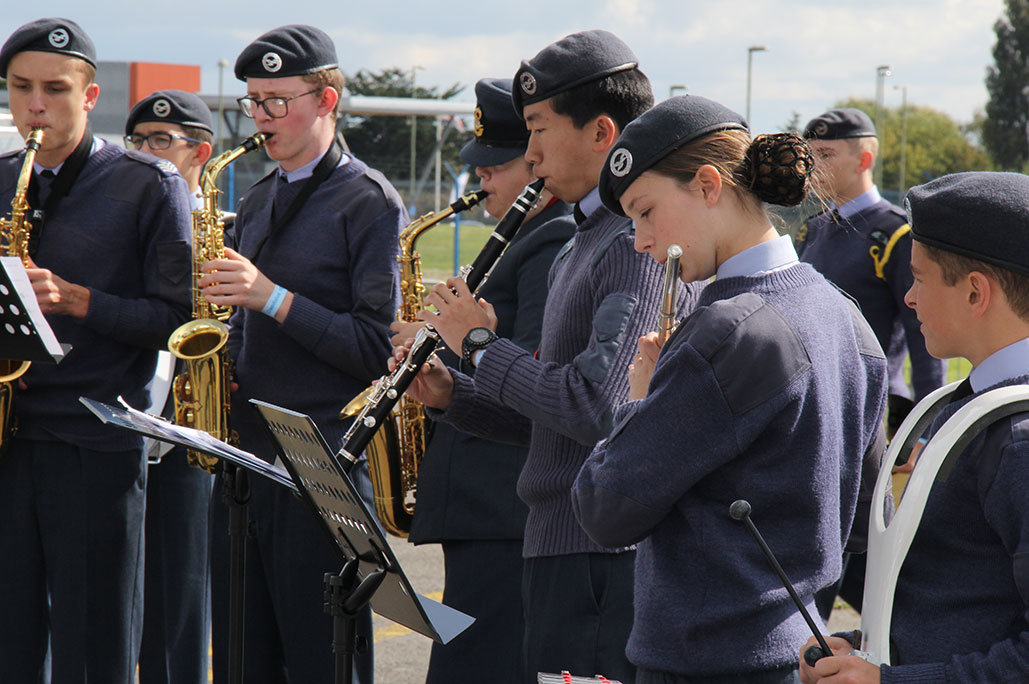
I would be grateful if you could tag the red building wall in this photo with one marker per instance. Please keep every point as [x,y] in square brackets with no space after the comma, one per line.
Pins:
[146,77]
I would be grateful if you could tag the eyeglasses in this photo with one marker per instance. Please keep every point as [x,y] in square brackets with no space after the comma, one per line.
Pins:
[275,107]
[156,141]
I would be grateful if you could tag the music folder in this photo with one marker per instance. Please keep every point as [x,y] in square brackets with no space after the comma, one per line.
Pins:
[312,472]
[25,334]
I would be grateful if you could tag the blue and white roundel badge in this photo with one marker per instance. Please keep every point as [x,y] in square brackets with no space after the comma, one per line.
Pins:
[621,162]
[528,83]
[58,38]
[271,62]
[162,108]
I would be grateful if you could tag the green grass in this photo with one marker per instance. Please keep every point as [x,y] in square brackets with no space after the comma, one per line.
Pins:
[436,245]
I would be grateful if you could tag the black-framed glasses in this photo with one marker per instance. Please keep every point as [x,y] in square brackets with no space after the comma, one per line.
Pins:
[157,141]
[275,107]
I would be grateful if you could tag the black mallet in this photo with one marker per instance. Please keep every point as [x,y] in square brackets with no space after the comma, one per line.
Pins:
[740,510]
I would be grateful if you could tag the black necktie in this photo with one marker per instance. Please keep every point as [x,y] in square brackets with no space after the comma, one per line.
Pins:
[580,217]
[836,217]
[46,180]
[961,391]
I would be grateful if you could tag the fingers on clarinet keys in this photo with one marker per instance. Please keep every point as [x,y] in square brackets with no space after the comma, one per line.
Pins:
[814,653]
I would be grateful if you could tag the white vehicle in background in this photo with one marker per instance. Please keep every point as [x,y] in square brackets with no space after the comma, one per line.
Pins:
[10,139]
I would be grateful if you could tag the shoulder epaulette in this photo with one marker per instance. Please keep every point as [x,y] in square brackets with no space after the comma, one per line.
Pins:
[163,165]
[11,153]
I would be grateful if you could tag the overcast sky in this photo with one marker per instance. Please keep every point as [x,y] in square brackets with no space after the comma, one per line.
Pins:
[818,52]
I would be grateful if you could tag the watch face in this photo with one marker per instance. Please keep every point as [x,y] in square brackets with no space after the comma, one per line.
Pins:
[479,335]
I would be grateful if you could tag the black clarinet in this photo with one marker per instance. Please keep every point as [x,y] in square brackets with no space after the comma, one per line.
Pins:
[390,388]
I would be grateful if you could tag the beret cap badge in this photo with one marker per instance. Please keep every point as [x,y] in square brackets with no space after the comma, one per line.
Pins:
[58,38]
[820,128]
[478,122]
[528,83]
[162,108]
[621,162]
[271,62]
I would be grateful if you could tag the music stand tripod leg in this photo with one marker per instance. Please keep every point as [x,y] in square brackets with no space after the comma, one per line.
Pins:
[236,495]
[345,597]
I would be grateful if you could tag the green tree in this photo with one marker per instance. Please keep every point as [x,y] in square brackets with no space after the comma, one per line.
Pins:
[384,142]
[793,125]
[936,144]
[1007,110]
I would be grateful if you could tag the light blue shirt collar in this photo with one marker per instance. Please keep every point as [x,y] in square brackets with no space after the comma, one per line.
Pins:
[772,255]
[591,202]
[1005,363]
[98,144]
[196,201]
[860,203]
[307,170]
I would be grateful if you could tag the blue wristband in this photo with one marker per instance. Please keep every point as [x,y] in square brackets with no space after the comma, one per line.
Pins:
[271,307]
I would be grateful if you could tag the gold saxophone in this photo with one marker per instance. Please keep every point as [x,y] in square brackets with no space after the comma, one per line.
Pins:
[202,394]
[397,448]
[15,233]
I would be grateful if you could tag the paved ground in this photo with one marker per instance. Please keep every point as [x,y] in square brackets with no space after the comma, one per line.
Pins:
[401,656]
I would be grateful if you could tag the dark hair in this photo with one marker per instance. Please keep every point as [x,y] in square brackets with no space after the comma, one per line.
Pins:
[327,78]
[201,134]
[955,266]
[772,168]
[623,96]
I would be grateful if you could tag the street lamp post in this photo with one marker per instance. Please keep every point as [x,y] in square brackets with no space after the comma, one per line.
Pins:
[414,139]
[222,63]
[881,72]
[903,134]
[673,89]
[750,60]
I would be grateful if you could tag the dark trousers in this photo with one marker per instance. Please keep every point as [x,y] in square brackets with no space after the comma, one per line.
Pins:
[71,563]
[788,675]
[287,634]
[483,579]
[578,614]
[177,604]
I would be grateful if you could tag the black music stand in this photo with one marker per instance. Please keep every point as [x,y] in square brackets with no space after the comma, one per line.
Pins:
[24,333]
[371,573]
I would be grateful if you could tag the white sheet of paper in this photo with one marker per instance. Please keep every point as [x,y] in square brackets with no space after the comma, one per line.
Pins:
[20,279]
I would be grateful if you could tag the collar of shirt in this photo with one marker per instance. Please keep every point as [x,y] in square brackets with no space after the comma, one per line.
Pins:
[98,144]
[307,170]
[860,203]
[196,201]
[590,203]
[771,255]
[1005,363]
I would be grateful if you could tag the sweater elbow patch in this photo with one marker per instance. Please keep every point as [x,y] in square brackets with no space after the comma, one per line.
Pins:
[377,288]
[613,520]
[173,266]
[609,325]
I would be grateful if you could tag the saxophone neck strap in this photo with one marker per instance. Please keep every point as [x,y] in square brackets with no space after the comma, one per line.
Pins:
[322,171]
[62,183]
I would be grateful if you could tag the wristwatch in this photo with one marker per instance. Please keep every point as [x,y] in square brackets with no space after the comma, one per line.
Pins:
[476,339]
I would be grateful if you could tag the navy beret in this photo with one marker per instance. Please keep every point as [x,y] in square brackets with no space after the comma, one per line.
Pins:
[500,134]
[171,106]
[980,214]
[62,36]
[572,61]
[837,124]
[293,50]
[655,134]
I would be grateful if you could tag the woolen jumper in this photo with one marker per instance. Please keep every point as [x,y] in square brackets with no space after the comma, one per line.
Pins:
[338,256]
[603,296]
[840,252]
[123,232]
[772,391]
[466,484]
[961,611]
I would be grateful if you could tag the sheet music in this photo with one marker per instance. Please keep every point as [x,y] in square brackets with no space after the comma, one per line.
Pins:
[151,426]
[565,678]
[20,279]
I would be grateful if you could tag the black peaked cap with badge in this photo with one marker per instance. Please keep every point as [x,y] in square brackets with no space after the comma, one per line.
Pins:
[61,36]
[171,106]
[655,134]
[839,124]
[979,214]
[293,50]
[500,134]
[572,61]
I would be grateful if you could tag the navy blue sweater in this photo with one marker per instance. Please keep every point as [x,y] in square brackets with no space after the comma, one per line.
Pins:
[338,256]
[603,296]
[772,391]
[961,611]
[123,232]
[841,252]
